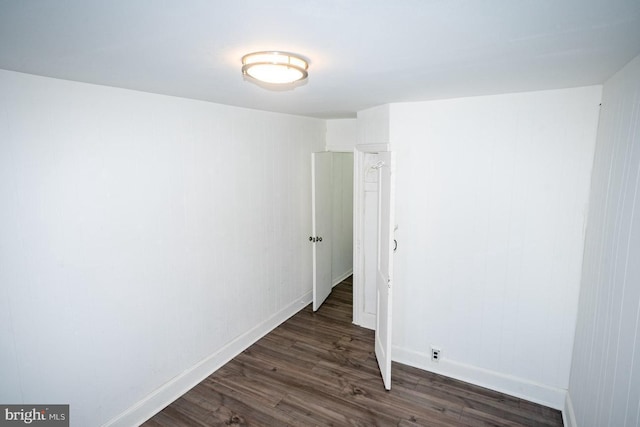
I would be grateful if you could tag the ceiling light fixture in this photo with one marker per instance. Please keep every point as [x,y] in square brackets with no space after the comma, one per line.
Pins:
[274,67]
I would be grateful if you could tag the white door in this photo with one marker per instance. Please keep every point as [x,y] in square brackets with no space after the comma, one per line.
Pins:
[321,167]
[384,276]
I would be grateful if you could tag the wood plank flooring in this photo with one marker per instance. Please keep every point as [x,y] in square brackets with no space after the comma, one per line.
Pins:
[318,369]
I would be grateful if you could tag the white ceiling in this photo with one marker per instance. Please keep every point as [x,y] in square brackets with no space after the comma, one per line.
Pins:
[362,52]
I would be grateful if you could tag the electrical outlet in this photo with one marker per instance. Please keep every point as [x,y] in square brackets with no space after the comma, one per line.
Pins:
[436,354]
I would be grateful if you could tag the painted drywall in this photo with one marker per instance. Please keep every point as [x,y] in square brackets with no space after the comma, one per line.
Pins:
[605,375]
[342,217]
[341,138]
[373,125]
[491,198]
[140,236]
[342,134]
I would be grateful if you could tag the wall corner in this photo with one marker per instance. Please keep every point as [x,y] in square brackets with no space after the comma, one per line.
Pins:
[568,415]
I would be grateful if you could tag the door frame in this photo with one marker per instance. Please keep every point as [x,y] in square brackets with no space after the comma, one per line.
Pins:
[360,318]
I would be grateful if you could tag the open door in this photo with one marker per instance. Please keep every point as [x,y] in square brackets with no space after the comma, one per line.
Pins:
[321,168]
[384,281]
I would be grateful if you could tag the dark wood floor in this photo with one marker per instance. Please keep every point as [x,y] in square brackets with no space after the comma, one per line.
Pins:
[319,369]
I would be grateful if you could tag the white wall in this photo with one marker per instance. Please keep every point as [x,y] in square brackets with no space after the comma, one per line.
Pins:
[605,373]
[373,125]
[141,235]
[341,138]
[491,201]
[342,218]
[342,134]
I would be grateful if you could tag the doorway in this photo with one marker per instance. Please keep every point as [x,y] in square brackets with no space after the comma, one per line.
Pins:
[370,215]
[350,237]
[332,222]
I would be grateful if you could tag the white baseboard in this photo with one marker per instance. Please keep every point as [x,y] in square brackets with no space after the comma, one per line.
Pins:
[342,277]
[367,320]
[513,386]
[170,391]
[568,414]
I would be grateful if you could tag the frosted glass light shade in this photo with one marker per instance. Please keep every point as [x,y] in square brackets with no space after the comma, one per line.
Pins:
[274,67]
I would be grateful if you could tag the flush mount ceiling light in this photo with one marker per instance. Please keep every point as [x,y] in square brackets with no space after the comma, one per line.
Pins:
[274,67]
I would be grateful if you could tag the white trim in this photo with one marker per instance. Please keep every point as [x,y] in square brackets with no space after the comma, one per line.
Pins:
[338,149]
[357,233]
[372,148]
[342,277]
[568,414]
[508,384]
[368,320]
[176,387]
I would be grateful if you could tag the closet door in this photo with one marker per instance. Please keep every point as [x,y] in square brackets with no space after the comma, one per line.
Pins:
[321,212]
[384,274]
